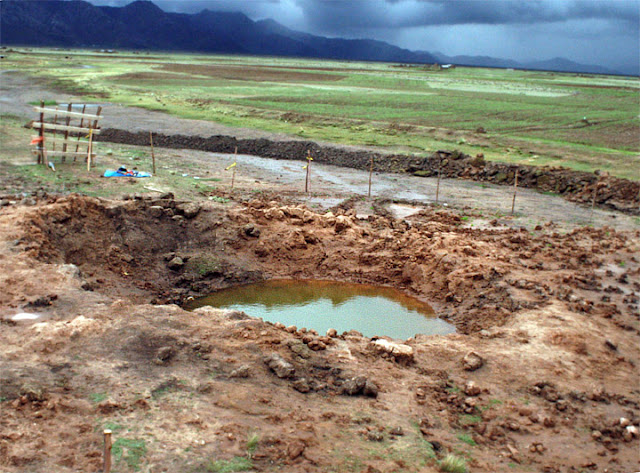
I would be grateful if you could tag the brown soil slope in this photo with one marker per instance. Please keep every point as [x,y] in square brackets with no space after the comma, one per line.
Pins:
[551,317]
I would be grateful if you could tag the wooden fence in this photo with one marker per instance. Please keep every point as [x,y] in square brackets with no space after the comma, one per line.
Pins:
[66,132]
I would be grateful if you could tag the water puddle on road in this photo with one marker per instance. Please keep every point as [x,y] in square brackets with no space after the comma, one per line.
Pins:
[321,305]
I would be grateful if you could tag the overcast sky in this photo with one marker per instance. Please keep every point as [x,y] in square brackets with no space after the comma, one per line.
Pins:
[603,32]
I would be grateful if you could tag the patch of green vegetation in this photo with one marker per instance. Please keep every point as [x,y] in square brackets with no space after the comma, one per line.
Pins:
[230,466]
[204,265]
[466,438]
[112,426]
[3,398]
[47,103]
[469,419]
[221,200]
[252,444]
[526,116]
[97,398]
[453,464]
[130,451]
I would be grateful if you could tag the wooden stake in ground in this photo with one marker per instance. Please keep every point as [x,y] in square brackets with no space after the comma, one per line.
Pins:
[42,153]
[438,183]
[107,451]
[153,156]
[66,132]
[233,175]
[370,174]
[90,149]
[308,176]
[515,191]
[84,107]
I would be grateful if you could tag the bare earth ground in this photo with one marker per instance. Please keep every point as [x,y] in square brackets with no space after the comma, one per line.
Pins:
[551,309]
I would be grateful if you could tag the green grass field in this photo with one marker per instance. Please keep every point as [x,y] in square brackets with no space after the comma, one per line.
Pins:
[580,121]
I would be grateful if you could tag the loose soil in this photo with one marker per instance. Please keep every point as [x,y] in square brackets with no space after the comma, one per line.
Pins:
[541,376]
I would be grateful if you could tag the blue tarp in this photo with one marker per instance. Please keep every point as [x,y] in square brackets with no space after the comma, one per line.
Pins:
[124,172]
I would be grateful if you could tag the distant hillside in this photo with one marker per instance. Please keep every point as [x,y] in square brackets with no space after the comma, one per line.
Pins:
[556,64]
[142,25]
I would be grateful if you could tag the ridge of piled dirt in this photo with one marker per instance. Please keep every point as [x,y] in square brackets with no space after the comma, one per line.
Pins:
[579,186]
[542,373]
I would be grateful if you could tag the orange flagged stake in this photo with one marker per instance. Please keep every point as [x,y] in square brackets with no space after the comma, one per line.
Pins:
[308,168]
[37,139]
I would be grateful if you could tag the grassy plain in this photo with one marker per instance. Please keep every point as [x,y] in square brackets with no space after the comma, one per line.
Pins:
[584,122]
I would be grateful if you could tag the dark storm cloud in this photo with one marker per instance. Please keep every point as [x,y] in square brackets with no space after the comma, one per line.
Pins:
[605,32]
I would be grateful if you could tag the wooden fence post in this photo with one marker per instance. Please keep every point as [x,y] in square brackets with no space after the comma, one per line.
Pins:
[438,183]
[515,191]
[66,132]
[308,176]
[370,174]
[107,451]
[153,156]
[41,155]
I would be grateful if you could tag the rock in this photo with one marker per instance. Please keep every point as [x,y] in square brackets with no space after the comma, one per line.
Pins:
[610,345]
[317,345]
[166,196]
[274,213]
[251,230]
[108,406]
[397,431]
[632,430]
[624,422]
[281,367]
[370,389]
[354,386]
[295,449]
[472,361]
[332,333]
[164,354]
[375,436]
[156,211]
[292,329]
[596,435]
[176,263]
[301,385]
[342,223]
[549,422]
[471,389]
[241,372]
[189,209]
[300,349]
[400,351]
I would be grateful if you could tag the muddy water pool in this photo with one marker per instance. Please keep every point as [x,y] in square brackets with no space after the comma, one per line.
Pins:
[321,305]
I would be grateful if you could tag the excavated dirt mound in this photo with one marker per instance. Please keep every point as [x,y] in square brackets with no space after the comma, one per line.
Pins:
[542,373]
[607,191]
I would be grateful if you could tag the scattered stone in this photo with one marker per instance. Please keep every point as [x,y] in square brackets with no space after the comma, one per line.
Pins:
[292,329]
[175,264]
[472,389]
[354,386]
[397,431]
[610,345]
[632,430]
[301,385]
[317,345]
[370,389]
[399,351]
[596,435]
[375,436]
[624,422]
[300,349]
[281,367]
[241,372]
[472,361]
[251,230]
[107,406]
[549,422]
[164,354]
[332,333]
[156,211]
[295,449]
[189,209]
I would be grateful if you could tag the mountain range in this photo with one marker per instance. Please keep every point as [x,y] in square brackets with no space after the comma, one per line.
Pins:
[143,25]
